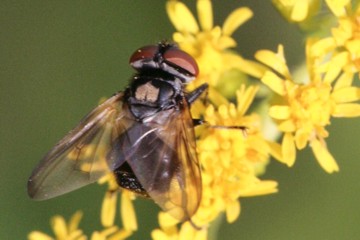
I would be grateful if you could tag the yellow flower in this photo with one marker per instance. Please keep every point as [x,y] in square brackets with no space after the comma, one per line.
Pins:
[62,230]
[231,160]
[304,108]
[108,209]
[230,165]
[346,36]
[210,44]
[70,231]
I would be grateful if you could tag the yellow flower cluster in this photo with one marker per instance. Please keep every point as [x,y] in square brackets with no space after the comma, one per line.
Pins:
[231,159]
[304,106]
[345,39]
[71,231]
[303,110]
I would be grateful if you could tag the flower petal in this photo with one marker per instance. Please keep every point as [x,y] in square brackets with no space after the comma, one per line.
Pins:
[344,32]
[335,66]
[166,220]
[323,156]
[187,231]
[322,46]
[274,82]
[337,6]
[216,97]
[226,42]
[260,188]
[279,112]
[75,221]
[347,110]
[288,149]
[120,235]
[236,19]
[160,235]
[345,80]
[232,211]
[108,209]
[204,9]
[274,60]
[128,215]
[301,139]
[76,235]
[201,235]
[353,46]
[249,67]
[300,11]
[245,97]
[346,94]
[36,235]
[287,126]
[181,17]
[59,226]
[275,151]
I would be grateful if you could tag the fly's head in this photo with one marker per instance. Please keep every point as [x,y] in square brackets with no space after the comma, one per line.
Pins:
[162,72]
[165,57]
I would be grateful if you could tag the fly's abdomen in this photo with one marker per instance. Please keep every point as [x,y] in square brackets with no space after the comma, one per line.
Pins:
[125,178]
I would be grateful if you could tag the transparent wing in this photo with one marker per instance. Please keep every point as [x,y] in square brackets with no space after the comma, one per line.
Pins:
[80,158]
[166,163]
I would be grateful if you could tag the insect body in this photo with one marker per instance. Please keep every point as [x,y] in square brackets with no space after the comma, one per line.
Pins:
[143,135]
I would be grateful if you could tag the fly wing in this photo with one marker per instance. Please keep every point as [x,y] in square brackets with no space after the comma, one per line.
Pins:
[166,163]
[80,158]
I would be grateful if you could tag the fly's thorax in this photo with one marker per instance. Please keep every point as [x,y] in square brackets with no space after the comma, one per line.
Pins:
[149,95]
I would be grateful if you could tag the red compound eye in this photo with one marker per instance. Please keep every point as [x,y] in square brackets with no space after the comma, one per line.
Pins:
[146,53]
[167,58]
[181,59]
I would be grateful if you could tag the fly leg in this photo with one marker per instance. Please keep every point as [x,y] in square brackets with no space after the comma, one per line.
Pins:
[197,122]
[192,96]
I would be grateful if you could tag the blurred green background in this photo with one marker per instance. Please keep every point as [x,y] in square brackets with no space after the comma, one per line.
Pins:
[58,58]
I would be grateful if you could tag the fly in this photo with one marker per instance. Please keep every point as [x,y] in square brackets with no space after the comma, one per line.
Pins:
[144,135]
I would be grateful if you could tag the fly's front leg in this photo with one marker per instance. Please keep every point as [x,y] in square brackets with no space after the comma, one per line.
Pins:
[192,96]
